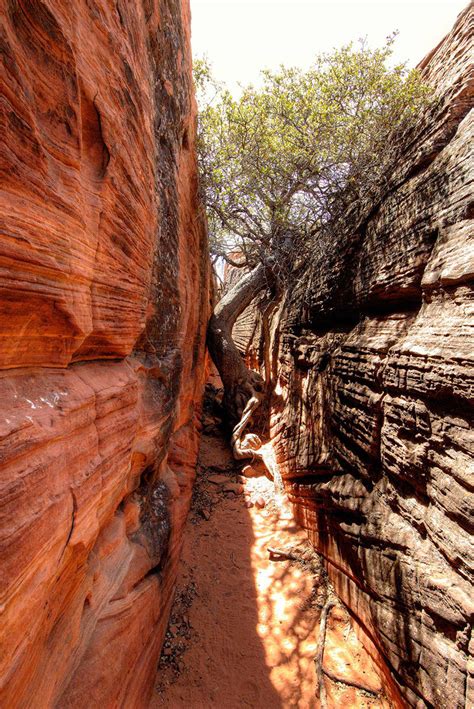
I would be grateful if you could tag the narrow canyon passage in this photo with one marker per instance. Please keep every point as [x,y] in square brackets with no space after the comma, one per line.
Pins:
[110,265]
[243,630]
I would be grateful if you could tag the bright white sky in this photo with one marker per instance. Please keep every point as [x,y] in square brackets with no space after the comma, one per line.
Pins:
[240,37]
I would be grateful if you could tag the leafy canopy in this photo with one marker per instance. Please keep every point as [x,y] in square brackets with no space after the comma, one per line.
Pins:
[281,163]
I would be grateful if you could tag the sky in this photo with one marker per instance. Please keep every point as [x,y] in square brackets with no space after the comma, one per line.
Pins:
[240,37]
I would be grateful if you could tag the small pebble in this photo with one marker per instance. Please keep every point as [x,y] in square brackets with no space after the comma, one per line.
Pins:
[248,471]
[218,479]
[236,488]
[260,502]
[248,504]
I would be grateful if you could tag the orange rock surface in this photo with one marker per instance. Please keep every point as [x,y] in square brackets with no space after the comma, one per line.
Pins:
[103,308]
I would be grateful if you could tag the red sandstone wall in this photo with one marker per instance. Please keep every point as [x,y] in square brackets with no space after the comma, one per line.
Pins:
[103,308]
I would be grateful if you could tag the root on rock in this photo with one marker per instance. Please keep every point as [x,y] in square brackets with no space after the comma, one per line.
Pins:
[249,445]
[320,686]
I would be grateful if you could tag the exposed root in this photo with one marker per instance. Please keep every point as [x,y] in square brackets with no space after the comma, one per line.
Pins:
[268,457]
[246,446]
[282,555]
[320,686]
[309,559]
[249,445]
[350,683]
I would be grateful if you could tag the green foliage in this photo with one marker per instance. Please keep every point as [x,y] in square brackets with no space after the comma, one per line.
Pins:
[281,163]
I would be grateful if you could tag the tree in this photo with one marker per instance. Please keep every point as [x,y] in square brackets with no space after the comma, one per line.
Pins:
[281,164]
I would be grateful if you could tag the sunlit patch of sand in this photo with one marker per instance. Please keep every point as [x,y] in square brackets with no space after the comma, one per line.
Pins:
[288,632]
[253,623]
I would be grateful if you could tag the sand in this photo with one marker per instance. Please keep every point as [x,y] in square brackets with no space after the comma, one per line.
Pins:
[243,630]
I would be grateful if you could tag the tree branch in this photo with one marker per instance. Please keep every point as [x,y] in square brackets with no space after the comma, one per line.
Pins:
[241,295]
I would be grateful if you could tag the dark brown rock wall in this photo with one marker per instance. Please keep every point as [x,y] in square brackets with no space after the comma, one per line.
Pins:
[372,419]
[103,309]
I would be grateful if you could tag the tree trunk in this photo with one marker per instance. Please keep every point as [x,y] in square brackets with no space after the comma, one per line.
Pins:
[240,383]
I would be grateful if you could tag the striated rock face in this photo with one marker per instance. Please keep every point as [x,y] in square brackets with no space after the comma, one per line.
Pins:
[373,419]
[103,308]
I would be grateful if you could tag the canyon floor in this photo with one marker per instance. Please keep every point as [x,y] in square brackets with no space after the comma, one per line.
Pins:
[243,630]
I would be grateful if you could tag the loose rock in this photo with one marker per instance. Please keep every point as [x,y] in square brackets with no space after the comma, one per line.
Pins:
[218,479]
[236,488]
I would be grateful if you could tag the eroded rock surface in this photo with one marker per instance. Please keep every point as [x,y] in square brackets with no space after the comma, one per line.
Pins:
[372,418]
[103,308]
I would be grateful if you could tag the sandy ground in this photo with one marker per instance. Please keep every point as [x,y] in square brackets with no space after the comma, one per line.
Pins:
[243,629]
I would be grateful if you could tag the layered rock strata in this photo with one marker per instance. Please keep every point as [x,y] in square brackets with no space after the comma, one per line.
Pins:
[103,308]
[372,418]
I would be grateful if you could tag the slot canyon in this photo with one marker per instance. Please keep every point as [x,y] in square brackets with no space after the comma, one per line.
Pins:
[133,547]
